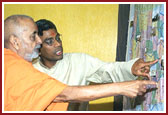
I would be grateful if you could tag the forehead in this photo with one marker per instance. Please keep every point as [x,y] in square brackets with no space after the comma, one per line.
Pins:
[49,33]
[29,25]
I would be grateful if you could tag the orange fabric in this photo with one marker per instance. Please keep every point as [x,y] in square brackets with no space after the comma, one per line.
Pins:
[27,89]
[56,106]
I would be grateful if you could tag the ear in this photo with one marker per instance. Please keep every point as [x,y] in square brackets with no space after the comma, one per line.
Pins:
[14,41]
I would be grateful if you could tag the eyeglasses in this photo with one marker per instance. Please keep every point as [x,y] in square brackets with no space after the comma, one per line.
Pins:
[50,41]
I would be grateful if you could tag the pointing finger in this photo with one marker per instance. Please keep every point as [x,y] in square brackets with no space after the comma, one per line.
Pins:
[150,63]
[150,82]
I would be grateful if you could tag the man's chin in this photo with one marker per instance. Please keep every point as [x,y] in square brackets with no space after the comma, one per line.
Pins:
[59,57]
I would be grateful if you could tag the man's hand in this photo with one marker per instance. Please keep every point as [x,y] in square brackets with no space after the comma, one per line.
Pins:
[92,92]
[137,87]
[141,68]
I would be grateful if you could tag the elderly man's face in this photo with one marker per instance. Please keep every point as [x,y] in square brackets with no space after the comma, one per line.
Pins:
[30,40]
[51,45]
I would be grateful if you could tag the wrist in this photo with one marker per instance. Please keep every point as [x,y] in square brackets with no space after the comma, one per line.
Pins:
[119,88]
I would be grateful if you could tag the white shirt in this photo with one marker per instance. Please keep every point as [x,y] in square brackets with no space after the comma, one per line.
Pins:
[81,69]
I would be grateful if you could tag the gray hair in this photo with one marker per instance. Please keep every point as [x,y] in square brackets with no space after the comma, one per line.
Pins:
[12,26]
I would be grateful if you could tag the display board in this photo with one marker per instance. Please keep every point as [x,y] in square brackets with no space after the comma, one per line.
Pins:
[146,40]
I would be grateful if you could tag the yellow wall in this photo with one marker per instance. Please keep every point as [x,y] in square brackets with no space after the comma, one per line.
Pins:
[88,28]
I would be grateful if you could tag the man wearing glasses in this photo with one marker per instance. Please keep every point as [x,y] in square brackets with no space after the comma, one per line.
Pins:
[79,68]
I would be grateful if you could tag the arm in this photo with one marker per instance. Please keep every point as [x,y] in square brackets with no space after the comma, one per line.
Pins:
[113,72]
[88,93]
[98,71]
[121,71]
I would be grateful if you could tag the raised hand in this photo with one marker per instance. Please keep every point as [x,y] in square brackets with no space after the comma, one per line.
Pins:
[141,68]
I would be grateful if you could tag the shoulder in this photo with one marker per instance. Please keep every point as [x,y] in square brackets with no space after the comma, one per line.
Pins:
[18,66]
[11,59]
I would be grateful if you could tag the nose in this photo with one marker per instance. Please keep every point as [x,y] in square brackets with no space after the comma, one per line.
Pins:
[38,40]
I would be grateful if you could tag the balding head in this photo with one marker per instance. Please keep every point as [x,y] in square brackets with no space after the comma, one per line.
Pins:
[20,36]
[13,26]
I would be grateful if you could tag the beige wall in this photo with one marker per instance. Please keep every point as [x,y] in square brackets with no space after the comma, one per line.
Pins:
[88,28]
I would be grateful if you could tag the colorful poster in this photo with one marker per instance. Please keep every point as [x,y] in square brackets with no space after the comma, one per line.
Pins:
[146,40]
